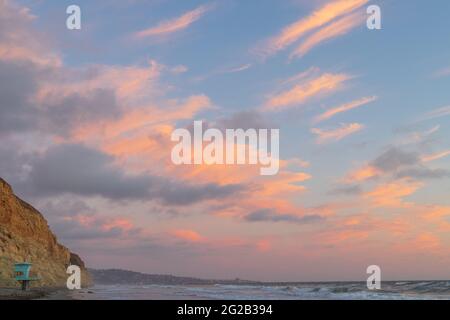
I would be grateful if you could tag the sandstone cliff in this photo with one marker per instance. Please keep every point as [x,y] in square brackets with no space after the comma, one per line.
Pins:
[25,236]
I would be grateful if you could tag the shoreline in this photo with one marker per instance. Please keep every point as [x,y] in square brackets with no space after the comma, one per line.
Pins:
[213,292]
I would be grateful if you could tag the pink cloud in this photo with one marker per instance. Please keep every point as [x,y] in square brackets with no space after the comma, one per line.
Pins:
[188,235]
[344,108]
[305,90]
[264,245]
[333,30]
[324,136]
[435,156]
[174,25]
[19,41]
[392,194]
[318,18]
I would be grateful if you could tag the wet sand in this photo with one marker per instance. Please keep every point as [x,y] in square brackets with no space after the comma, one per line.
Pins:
[17,294]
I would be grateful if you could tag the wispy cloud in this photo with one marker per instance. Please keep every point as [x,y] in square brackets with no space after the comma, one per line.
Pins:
[324,136]
[333,30]
[444,72]
[422,136]
[438,113]
[272,216]
[317,19]
[344,108]
[397,163]
[305,90]
[239,69]
[302,75]
[362,174]
[391,161]
[435,156]
[392,194]
[174,25]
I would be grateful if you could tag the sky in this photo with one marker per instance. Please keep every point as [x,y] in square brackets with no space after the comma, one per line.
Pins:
[86,118]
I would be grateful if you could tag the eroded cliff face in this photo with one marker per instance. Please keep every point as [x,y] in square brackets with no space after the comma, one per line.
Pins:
[26,236]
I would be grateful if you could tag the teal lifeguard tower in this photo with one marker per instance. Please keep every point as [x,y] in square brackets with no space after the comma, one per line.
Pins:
[23,275]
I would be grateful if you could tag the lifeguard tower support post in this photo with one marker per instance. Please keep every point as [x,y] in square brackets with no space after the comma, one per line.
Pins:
[22,274]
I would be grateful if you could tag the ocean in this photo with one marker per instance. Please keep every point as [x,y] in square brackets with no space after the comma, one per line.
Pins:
[400,290]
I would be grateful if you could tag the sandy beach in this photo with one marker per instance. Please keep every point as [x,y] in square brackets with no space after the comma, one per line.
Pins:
[41,293]
[86,294]
[17,294]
